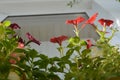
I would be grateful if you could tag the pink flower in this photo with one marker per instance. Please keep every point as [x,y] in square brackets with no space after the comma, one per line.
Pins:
[92,19]
[15,26]
[12,61]
[75,21]
[20,45]
[31,38]
[59,39]
[14,58]
[105,22]
[89,44]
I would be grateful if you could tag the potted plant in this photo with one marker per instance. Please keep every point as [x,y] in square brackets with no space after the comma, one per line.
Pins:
[83,59]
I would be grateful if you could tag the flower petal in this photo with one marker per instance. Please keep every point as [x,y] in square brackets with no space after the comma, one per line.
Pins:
[89,43]
[105,22]
[79,20]
[92,19]
[20,45]
[59,39]
[75,21]
[15,26]
[31,38]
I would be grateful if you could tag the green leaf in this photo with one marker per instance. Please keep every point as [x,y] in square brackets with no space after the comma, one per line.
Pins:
[7,44]
[69,53]
[31,53]
[2,30]
[73,67]
[85,52]
[43,63]
[40,75]
[4,67]
[62,66]
[53,69]
[53,76]
[69,76]
[19,50]
[42,56]
[77,48]
[70,45]
[54,59]
[6,23]
[10,31]
[74,40]
[83,42]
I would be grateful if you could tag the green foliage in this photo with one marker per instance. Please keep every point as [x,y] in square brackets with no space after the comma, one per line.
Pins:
[118,0]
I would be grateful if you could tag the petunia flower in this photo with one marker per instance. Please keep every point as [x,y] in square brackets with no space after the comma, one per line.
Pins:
[20,40]
[89,44]
[32,39]
[105,22]
[92,19]
[59,39]
[15,26]
[14,58]
[20,45]
[75,21]
[12,61]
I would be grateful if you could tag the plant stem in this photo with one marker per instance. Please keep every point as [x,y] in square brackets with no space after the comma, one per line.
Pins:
[61,51]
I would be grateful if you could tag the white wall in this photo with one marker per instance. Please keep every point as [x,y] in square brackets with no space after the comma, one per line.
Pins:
[3,16]
[29,7]
[47,26]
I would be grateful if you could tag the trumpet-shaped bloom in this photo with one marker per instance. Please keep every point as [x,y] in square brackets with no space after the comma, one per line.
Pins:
[20,45]
[14,58]
[89,44]
[15,26]
[20,40]
[92,19]
[75,21]
[59,39]
[105,22]
[31,38]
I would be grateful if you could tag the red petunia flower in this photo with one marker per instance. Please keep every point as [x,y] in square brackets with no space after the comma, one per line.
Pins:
[15,26]
[75,21]
[92,19]
[31,38]
[105,22]
[89,44]
[59,39]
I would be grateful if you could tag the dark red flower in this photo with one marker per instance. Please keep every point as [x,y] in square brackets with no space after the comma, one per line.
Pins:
[31,38]
[20,40]
[75,21]
[89,44]
[105,22]
[59,39]
[92,19]
[15,26]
